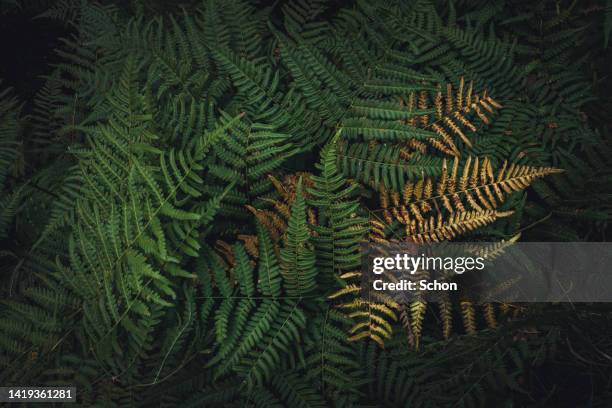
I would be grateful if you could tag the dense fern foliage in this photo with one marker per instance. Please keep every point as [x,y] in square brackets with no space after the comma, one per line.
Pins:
[183,201]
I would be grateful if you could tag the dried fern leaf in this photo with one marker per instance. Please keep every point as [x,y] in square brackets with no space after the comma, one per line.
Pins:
[417,314]
[468,314]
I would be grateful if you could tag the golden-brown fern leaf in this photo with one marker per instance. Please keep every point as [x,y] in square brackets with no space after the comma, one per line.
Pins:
[437,228]
[251,244]
[378,231]
[491,250]
[413,146]
[418,307]
[453,115]
[505,308]
[226,252]
[446,316]
[417,314]
[502,288]
[372,320]
[288,186]
[275,220]
[410,103]
[423,105]
[476,187]
[468,314]
[271,221]
[489,314]
[406,323]
[227,257]
[348,289]
[373,317]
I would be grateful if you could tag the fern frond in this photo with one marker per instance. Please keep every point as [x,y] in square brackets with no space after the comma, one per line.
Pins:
[478,188]
[468,314]
[417,314]
[446,317]
[297,258]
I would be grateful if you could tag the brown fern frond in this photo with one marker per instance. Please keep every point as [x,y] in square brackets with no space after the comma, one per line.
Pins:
[365,334]
[464,121]
[489,314]
[275,221]
[438,104]
[460,94]
[348,289]
[439,145]
[384,196]
[468,97]
[476,188]
[370,325]
[481,115]
[490,100]
[449,98]
[446,316]
[492,250]
[405,153]
[287,187]
[451,115]
[417,314]
[227,253]
[495,292]
[349,275]
[373,317]
[413,146]
[505,308]
[470,197]
[469,316]
[447,140]
[359,303]
[457,130]
[436,228]
[423,105]
[280,188]
[271,221]
[251,244]
[312,216]
[417,145]
[282,208]
[410,105]
[374,323]
[405,320]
